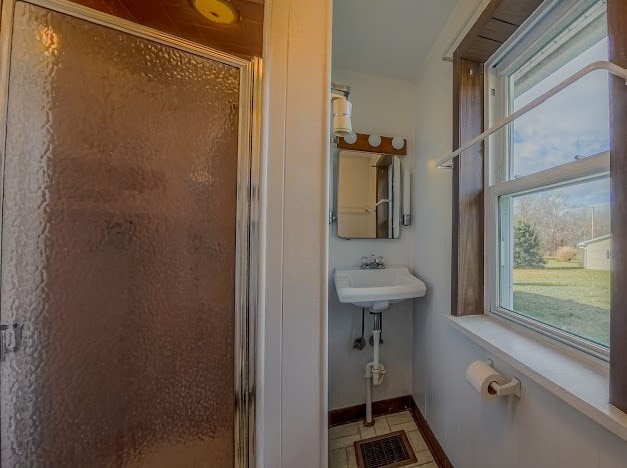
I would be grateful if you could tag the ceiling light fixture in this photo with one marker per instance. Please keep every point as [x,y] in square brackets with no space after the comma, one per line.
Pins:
[342,108]
[218,11]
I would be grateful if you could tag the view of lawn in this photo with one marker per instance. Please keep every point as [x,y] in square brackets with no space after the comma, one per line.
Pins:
[565,295]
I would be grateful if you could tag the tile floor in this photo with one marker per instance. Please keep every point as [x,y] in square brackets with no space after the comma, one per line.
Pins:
[341,439]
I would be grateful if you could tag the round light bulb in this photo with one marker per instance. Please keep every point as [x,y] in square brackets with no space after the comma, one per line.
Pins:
[350,138]
[398,143]
[374,140]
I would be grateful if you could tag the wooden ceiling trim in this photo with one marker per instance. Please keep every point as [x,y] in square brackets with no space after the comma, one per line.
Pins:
[497,23]
[516,11]
[476,30]
[179,18]
[482,47]
[111,7]
[498,30]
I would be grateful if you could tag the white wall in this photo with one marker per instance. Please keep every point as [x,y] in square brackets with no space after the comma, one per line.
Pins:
[537,431]
[597,255]
[383,106]
[291,398]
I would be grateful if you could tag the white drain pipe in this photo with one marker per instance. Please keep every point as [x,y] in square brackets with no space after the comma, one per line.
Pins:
[375,371]
[368,375]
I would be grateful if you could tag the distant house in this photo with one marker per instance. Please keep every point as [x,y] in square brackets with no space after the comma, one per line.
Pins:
[597,253]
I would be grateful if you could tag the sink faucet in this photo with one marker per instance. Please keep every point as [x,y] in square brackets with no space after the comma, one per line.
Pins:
[374,263]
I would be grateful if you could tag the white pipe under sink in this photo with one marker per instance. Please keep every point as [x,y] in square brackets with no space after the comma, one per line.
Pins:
[375,371]
[375,286]
[376,336]
[368,376]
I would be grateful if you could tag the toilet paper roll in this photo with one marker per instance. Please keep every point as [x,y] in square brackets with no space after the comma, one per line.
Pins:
[480,375]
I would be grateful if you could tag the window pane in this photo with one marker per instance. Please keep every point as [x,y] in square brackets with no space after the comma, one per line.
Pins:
[574,123]
[555,265]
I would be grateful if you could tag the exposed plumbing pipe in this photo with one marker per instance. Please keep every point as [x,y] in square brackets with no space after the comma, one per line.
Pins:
[375,360]
[375,371]
[370,381]
[368,375]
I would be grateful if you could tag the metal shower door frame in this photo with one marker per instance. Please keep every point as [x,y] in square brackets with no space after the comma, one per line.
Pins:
[248,179]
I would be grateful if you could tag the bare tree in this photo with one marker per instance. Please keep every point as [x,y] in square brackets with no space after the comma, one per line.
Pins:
[559,222]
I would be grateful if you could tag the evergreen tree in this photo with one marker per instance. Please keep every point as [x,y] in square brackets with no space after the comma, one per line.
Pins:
[526,246]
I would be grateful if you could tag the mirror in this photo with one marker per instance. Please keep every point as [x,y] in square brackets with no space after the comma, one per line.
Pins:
[368,195]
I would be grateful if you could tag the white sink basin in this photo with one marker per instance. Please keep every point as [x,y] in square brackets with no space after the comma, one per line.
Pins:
[376,289]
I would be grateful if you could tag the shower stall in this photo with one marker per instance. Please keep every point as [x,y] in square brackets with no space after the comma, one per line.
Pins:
[128,244]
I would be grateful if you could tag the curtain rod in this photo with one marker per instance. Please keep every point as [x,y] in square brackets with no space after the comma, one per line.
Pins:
[601,65]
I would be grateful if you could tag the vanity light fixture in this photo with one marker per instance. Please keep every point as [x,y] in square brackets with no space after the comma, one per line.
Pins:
[218,11]
[374,143]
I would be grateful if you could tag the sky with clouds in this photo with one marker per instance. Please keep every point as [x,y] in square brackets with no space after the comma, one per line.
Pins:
[575,122]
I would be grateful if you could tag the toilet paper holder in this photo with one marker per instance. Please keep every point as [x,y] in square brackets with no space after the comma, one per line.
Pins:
[510,388]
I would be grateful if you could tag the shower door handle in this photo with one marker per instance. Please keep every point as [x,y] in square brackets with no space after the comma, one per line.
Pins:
[10,339]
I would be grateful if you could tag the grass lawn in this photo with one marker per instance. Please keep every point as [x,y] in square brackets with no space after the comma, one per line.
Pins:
[566,296]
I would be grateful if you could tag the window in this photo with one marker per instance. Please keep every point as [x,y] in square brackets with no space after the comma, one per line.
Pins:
[549,196]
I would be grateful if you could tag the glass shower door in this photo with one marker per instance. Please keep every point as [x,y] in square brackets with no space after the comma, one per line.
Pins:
[120,246]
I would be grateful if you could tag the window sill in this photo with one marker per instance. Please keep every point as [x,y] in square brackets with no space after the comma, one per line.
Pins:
[578,382]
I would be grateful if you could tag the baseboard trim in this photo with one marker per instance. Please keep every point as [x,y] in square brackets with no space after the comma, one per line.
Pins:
[389,406]
[379,408]
[436,449]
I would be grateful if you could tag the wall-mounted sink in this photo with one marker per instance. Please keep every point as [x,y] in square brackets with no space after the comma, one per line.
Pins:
[376,289]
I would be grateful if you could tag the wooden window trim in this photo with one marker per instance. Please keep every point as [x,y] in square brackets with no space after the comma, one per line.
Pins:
[468,214]
[499,20]
[617,31]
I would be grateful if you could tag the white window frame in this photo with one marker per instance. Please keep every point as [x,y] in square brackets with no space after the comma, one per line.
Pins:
[550,17]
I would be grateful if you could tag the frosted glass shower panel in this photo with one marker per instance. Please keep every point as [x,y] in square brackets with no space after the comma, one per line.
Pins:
[118,249]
